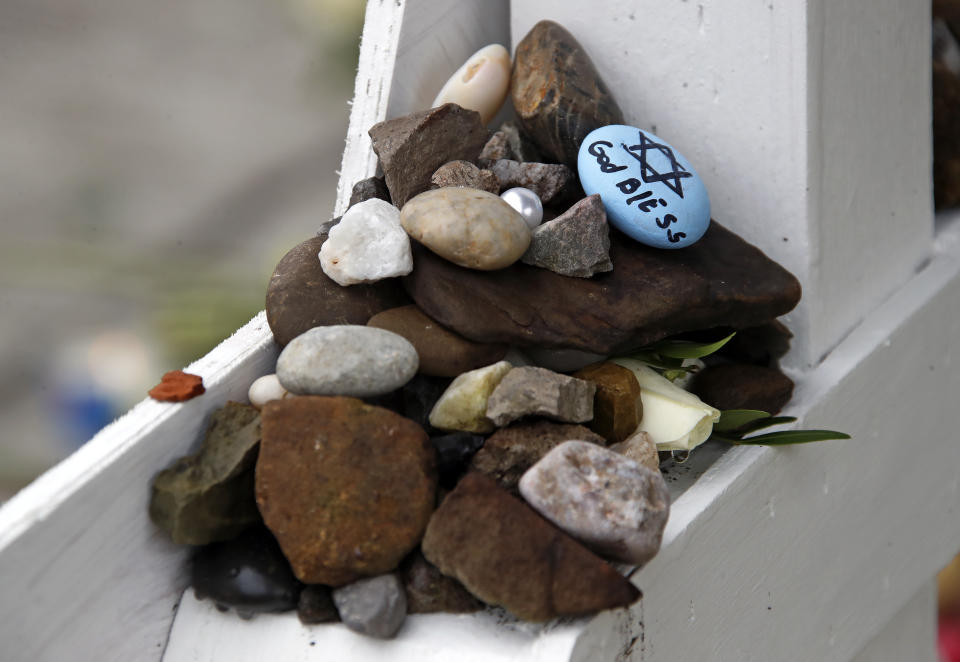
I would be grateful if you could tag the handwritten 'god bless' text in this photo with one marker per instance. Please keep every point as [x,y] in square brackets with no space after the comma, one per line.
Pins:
[631,186]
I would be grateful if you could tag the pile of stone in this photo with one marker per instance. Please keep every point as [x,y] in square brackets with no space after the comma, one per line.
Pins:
[452,422]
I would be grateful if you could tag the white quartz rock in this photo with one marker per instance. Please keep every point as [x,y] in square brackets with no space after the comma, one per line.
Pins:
[481,84]
[676,419]
[367,245]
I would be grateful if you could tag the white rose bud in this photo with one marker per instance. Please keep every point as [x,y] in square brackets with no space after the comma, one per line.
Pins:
[677,420]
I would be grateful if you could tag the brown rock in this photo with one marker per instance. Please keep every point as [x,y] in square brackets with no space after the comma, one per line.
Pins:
[557,93]
[498,147]
[346,488]
[617,408]
[547,180]
[651,294]
[946,136]
[300,296]
[208,496]
[316,605]
[412,147]
[177,386]
[442,353]
[640,448]
[369,188]
[743,386]
[762,345]
[464,173]
[509,452]
[506,554]
[429,590]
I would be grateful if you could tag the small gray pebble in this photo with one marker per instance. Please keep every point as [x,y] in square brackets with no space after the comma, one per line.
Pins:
[375,606]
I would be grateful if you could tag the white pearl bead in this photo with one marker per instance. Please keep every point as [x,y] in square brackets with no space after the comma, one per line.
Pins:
[265,389]
[527,203]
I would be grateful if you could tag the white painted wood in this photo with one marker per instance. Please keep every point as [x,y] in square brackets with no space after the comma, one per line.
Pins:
[809,122]
[910,635]
[86,576]
[426,41]
[834,538]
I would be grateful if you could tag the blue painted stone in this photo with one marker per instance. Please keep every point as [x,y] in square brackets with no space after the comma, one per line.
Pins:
[649,190]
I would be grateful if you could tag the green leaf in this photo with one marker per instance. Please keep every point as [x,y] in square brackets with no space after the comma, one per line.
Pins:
[734,419]
[684,349]
[793,437]
[765,423]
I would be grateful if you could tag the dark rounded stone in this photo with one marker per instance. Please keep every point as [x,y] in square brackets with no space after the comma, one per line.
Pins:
[367,189]
[454,452]
[557,93]
[743,386]
[429,590]
[248,573]
[316,605]
[300,296]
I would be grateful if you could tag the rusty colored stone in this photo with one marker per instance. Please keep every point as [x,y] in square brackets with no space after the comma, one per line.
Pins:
[412,147]
[347,488]
[300,296]
[508,453]
[506,554]
[557,93]
[617,408]
[177,386]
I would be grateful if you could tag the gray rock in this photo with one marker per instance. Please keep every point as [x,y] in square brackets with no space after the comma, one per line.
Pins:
[498,147]
[576,243]
[509,143]
[640,448]
[608,502]
[531,391]
[366,189]
[464,173]
[375,606]
[547,180]
[350,360]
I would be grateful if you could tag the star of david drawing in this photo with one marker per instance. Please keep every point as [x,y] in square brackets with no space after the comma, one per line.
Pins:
[669,179]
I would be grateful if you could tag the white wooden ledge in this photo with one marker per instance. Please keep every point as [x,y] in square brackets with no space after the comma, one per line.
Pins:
[819,552]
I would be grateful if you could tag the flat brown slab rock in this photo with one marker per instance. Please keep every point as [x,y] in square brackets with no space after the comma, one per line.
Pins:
[177,386]
[743,386]
[300,296]
[506,554]
[346,488]
[650,294]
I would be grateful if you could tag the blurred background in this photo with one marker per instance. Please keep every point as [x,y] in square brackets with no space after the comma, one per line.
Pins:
[157,159]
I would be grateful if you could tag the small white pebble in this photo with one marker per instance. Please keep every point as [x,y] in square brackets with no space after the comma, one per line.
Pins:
[526,203]
[264,389]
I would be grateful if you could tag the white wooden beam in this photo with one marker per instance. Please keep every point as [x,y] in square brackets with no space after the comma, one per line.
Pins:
[809,122]
[910,635]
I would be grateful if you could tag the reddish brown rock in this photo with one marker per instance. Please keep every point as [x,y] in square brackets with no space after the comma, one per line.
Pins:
[412,147]
[347,488]
[177,386]
[506,554]
[429,590]
[743,386]
[719,281]
[300,296]
[557,93]
[442,352]
[508,453]
[617,409]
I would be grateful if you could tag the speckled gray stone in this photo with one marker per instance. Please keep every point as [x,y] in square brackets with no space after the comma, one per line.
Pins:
[576,243]
[464,173]
[531,391]
[350,360]
[375,606]
[547,180]
[608,502]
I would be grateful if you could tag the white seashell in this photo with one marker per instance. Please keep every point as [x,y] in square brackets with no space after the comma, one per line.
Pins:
[481,84]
